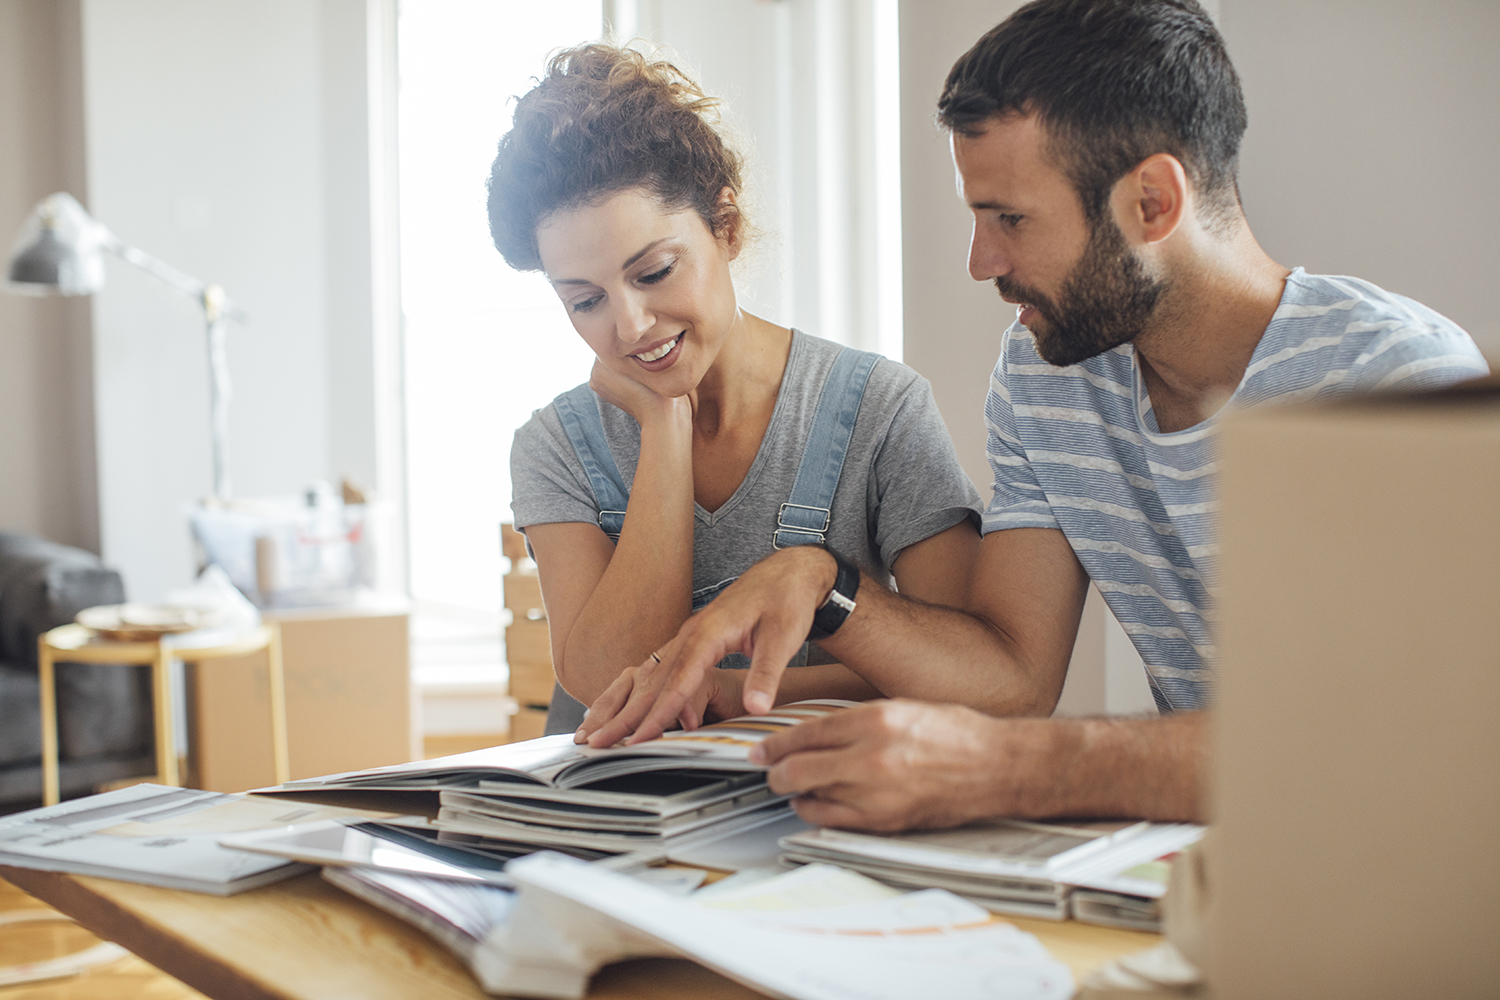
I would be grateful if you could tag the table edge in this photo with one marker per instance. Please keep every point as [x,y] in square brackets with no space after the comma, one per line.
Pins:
[177,957]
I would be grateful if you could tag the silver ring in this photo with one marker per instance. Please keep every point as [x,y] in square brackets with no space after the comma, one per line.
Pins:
[656,658]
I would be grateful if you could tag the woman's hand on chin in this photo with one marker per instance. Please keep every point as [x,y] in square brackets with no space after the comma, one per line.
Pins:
[639,400]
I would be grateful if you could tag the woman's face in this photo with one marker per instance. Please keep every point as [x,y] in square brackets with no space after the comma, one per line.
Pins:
[648,290]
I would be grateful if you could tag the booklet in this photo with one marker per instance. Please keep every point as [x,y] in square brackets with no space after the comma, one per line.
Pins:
[158,836]
[1009,866]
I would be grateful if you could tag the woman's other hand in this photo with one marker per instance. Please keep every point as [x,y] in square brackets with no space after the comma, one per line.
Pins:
[765,614]
[719,697]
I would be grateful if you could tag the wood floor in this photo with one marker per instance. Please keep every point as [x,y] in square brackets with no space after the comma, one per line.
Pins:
[126,977]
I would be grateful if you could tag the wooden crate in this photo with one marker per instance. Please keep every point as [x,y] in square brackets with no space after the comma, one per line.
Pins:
[528,647]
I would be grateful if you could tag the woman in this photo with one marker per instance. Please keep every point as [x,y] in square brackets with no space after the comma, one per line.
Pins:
[685,459]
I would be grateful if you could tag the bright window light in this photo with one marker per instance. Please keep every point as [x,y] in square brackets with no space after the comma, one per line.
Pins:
[484,346]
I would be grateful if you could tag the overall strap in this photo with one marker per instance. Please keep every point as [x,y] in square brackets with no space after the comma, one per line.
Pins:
[804,518]
[579,410]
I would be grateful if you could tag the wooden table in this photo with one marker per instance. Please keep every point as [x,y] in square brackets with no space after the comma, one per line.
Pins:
[302,939]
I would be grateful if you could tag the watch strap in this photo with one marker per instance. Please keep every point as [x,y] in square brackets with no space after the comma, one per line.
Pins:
[840,603]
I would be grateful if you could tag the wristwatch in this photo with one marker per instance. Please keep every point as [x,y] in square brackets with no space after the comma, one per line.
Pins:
[831,614]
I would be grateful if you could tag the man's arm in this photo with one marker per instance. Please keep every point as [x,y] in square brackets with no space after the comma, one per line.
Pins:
[1007,655]
[896,765]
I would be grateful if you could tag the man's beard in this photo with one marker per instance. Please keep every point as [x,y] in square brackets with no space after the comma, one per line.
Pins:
[1104,303]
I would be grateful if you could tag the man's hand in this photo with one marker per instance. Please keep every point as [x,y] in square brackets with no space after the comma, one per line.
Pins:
[899,765]
[765,614]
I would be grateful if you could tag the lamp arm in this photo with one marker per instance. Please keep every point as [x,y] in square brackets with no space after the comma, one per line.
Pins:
[217,307]
[210,296]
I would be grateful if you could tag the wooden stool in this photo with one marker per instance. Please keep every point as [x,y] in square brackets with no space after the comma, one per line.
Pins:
[76,644]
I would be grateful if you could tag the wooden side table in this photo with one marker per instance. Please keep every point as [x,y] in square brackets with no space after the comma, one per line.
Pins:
[76,644]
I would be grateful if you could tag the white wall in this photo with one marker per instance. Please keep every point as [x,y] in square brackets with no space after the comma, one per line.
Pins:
[47,477]
[230,139]
[952,324]
[1374,143]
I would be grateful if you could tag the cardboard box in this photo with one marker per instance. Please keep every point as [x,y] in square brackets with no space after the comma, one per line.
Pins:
[348,701]
[1357,793]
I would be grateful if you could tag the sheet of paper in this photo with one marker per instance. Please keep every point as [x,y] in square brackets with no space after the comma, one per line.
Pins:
[816,933]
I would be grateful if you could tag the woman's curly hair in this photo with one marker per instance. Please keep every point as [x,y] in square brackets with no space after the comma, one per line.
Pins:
[602,120]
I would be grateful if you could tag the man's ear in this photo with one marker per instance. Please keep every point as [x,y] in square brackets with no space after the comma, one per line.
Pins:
[729,228]
[1153,199]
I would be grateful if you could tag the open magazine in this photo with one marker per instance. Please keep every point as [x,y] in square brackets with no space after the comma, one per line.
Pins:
[557,763]
[625,799]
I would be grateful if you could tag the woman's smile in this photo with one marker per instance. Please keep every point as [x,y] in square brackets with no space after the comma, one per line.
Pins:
[662,355]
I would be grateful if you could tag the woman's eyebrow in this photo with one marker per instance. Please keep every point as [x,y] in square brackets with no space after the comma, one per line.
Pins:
[629,261]
[643,251]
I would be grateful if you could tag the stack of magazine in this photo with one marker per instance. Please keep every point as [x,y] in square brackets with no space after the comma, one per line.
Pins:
[638,800]
[1110,873]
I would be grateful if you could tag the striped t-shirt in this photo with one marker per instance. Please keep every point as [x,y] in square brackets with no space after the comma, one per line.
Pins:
[1078,449]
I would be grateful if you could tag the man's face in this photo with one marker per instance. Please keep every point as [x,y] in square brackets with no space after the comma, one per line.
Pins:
[1080,287]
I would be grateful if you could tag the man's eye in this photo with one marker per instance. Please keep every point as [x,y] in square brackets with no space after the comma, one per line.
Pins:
[584,305]
[1010,221]
[655,276]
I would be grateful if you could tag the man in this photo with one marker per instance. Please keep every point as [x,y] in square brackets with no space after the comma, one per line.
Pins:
[1096,144]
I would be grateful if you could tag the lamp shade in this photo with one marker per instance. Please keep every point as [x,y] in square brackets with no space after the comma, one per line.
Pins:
[58,250]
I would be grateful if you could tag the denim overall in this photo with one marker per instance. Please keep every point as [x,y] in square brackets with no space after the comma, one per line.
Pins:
[802,520]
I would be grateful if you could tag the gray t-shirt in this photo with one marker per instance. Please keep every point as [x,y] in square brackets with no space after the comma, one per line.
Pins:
[901,481]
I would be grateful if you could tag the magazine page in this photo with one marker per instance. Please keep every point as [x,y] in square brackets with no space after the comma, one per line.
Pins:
[1136,868]
[678,788]
[816,933]
[998,847]
[534,761]
[717,745]
[157,835]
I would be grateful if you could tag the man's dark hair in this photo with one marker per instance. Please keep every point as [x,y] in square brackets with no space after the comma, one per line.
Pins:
[1112,82]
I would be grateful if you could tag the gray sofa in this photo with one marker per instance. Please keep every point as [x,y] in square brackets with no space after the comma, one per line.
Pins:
[104,712]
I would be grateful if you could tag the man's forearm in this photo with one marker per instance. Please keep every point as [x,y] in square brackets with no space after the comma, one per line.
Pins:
[908,649]
[1148,768]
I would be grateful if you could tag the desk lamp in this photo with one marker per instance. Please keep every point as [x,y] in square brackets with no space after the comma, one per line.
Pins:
[58,252]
